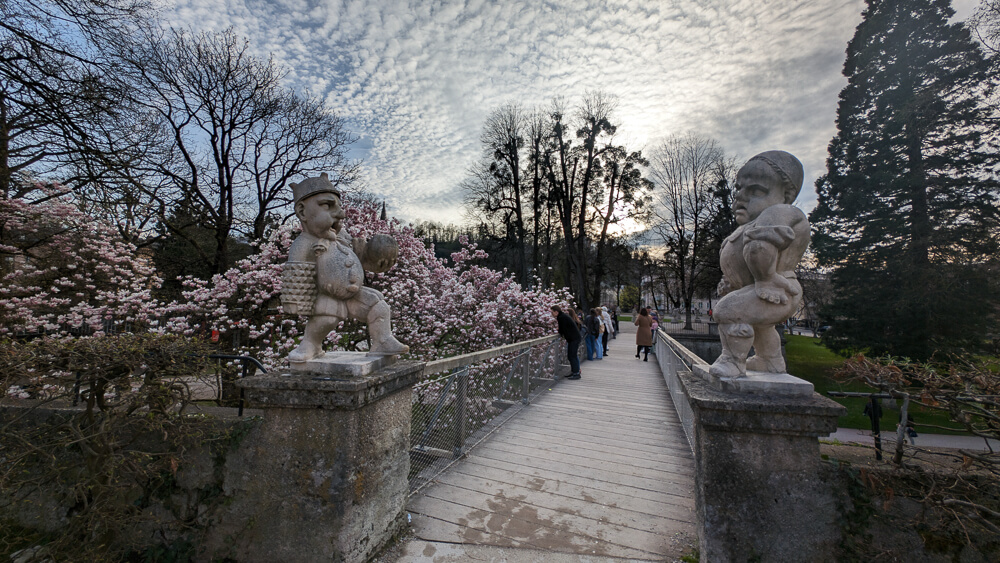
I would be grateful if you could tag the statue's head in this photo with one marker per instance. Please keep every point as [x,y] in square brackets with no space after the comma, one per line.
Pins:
[318,207]
[768,179]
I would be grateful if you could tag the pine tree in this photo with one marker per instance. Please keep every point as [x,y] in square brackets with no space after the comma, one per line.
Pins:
[907,217]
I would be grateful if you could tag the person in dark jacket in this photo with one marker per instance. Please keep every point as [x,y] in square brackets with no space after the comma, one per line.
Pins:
[571,332]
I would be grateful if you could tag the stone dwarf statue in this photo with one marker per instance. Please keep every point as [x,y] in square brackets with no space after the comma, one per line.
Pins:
[759,288]
[324,276]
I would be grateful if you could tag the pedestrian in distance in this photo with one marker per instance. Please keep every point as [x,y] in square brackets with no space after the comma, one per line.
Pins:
[609,328]
[614,322]
[576,320]
[571,332]
[593,324]
[644,335]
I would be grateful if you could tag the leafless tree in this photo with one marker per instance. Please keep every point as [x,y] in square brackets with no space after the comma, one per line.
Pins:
[235,136]
[685,171]
[623,195]
[572,172]
[985,22]
[494,192]
[59,102]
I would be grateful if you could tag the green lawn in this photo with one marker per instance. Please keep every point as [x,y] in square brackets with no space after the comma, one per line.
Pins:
[811,361]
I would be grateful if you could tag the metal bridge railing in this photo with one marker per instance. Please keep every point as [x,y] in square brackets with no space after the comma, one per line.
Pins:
[673,357]
[459,401]
[246,363]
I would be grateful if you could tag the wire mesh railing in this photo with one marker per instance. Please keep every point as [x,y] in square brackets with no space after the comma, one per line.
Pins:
[699,325]
[674,357]
[461,400]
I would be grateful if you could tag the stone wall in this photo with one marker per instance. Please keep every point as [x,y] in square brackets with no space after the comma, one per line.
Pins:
[321,475]
[180,508]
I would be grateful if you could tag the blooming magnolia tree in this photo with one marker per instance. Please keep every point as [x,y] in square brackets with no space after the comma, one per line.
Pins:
[66,272]
[438,310]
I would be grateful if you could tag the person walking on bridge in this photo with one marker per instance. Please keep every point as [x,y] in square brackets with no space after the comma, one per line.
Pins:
[569,330]
[643,336]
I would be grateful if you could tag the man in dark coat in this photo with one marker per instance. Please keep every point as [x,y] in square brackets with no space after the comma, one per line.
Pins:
[569,331]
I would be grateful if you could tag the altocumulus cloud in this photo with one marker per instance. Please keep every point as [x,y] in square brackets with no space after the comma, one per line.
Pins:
[416,79]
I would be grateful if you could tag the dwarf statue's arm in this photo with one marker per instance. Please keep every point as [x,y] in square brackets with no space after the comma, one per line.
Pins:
[773,231]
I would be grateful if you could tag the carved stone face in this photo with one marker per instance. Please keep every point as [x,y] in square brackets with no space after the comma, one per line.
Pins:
[321,215]
[758,187]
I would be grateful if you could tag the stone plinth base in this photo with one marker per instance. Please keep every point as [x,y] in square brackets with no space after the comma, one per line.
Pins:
[342,364]
[326,477]
[757,383]
[758,490]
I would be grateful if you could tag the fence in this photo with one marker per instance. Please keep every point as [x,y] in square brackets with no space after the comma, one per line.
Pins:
[699,325]
[246,363]
[462,400]
[672,358]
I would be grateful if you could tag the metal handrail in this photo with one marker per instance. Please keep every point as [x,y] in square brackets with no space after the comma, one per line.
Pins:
[681,351]
[245,362]
[445,364]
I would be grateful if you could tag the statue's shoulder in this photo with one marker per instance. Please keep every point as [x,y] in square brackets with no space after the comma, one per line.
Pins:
[782,214]
[301,249]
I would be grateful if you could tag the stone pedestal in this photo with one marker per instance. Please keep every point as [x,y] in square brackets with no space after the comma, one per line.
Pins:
[327,469]
[757,383]
[758,489]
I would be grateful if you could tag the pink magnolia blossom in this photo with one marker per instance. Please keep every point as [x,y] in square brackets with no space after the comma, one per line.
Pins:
[67,272]
[438,310]
[64,271]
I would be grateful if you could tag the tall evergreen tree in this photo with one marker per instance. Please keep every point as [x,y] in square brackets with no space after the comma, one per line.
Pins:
[907,216]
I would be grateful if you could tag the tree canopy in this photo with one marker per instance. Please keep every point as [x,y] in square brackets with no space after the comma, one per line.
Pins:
[908,209]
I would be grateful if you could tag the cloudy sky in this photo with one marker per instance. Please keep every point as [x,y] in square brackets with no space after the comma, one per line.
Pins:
[416,78]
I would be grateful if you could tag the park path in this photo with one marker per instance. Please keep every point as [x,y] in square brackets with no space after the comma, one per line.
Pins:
[592,470]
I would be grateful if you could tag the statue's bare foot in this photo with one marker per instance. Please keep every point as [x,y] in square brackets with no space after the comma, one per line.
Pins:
[389,346]
[726,366]
[304,352]
[767,365]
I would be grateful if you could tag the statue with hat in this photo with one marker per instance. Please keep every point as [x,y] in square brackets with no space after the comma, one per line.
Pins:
[324,276]
[759,288]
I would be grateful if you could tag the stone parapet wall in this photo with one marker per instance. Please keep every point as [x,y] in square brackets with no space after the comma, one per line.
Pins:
[183,507]
[320,476]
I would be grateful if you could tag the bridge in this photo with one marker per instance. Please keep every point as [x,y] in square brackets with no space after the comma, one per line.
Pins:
[493,456]
[642,461]
[595,467]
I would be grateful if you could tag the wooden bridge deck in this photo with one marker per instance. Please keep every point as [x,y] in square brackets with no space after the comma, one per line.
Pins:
[595,467]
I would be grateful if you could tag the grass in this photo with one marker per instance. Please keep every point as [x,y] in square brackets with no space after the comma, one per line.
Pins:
[815,363]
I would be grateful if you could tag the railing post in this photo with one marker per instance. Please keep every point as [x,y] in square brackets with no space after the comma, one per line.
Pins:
[461,410]
[243,395]
[525,376]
